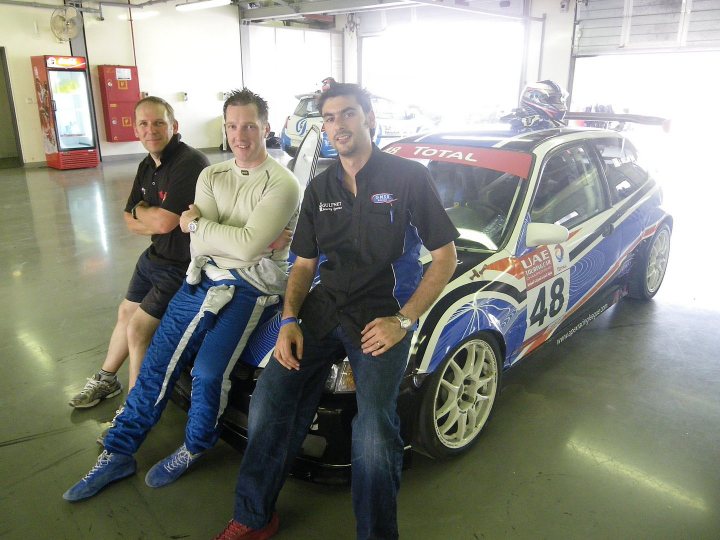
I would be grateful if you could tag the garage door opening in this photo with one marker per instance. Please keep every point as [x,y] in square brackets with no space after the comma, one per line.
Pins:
[461,71]
[681,86]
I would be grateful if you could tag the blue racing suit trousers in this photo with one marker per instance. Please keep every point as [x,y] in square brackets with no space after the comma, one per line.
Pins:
[210,321]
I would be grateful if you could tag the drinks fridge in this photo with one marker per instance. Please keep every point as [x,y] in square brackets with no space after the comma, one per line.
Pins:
[63,97]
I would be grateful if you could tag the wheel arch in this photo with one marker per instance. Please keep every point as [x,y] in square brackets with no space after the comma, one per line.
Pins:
[422,438]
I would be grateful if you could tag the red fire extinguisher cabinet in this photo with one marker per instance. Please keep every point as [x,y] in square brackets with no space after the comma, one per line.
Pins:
[120,91]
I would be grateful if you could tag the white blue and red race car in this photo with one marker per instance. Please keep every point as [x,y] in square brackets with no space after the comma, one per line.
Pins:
[555,226]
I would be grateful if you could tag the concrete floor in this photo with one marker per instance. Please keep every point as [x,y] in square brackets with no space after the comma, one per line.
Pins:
[613,434]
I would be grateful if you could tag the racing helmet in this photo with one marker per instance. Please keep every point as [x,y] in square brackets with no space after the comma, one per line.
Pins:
[545,97]
[327,82]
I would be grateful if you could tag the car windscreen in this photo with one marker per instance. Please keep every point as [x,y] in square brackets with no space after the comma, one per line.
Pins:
[479,201]
[480,188]
[307,107]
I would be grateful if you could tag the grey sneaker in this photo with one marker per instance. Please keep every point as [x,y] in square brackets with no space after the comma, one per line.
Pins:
[109,425]
[95,390]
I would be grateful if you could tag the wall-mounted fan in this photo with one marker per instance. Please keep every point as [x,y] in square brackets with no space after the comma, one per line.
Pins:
[65,23]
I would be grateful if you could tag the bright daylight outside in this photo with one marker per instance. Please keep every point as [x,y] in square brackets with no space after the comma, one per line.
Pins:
[461,72]
[656,84]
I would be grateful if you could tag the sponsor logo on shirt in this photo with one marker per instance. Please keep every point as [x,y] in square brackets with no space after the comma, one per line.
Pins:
[330,206]
[383,198]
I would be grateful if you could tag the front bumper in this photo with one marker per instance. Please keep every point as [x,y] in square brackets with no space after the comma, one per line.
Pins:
[325,456]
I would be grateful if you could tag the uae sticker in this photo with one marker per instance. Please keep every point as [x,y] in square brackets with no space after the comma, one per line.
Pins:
[538,266]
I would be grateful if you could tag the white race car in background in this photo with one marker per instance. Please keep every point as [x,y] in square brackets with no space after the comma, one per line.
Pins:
[393,121]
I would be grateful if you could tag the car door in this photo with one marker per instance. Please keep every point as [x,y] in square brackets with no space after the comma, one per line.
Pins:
[563,278]
[625,177]
[305,162]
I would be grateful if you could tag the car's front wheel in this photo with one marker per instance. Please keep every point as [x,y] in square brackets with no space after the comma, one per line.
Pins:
[647,275]
[459,396]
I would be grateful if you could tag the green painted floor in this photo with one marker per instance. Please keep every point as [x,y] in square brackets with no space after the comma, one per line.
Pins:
[614,434]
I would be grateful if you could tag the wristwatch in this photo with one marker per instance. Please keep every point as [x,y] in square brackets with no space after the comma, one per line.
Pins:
[193,225]
[405,323]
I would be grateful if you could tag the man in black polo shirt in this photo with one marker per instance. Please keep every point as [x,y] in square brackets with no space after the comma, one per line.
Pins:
[368,215]
[164,187]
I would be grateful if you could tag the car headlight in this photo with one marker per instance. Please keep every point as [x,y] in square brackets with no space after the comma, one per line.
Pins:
[341,379]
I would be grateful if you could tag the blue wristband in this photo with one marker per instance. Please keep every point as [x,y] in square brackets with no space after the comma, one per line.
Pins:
[288,320]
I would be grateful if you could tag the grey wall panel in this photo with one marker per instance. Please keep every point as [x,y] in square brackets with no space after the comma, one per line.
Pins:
[631,26]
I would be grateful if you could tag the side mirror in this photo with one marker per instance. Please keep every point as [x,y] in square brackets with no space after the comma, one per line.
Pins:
[539,234]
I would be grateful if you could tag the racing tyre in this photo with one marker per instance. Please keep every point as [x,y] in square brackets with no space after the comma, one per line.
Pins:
[459,397]
[647,275]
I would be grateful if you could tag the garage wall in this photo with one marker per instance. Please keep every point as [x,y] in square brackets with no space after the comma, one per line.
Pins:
[557,42]
[25,32]
[175,57]
[631,26]
[109,42]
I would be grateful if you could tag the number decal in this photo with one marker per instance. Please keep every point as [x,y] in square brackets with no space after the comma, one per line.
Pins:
[539,311]
[546,304]
[557,300]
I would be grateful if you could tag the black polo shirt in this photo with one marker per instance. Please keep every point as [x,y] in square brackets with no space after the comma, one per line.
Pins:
[170,186]
[369,244]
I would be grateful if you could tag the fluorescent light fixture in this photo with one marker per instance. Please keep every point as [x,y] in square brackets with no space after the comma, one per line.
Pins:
[201,4]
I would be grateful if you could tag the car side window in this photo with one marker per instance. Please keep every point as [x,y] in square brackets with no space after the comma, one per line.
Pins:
[623,173]
[570,189]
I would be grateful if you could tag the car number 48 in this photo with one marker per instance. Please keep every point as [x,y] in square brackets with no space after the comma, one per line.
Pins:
[547,303]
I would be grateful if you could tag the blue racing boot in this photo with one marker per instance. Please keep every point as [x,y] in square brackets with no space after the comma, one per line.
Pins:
[167,470]
[109,468]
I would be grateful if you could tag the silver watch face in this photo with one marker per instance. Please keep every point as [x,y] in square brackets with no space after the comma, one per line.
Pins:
[192,226]
[405,323]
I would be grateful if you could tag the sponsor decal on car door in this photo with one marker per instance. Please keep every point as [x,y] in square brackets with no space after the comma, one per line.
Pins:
[547,277]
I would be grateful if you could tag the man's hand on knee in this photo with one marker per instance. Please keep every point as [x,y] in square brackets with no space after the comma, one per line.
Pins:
[380,335]
[289,338]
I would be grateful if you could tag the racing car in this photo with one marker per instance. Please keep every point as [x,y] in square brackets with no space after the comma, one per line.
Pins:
[556,225]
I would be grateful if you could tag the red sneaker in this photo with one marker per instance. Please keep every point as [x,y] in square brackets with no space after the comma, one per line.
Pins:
[238,531]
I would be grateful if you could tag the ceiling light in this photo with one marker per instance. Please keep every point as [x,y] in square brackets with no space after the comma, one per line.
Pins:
[201,4]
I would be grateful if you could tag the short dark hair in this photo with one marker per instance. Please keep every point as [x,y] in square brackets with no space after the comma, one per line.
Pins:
[346,89]
[157,101]
[246,97]
[362,96]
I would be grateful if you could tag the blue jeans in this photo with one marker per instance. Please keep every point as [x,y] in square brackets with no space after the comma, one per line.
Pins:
[281,410]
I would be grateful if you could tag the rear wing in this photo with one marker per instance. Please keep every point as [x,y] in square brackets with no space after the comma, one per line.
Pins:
[621,118]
